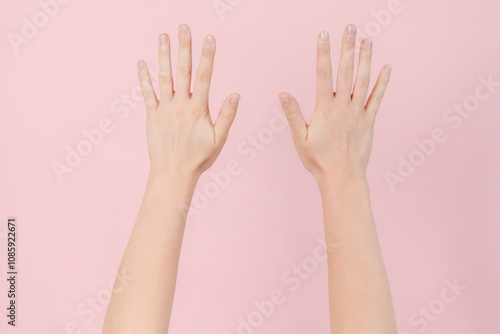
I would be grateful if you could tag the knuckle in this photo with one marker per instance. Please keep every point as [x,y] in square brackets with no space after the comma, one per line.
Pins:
[229,116]
[348,45]
[226,116]
[323,73]
[345,73]
[377,99]
[324,49]
[208,52]
[324,101]
[184,41]
[148,97]
[164,78]
[184,71]
[363,81]
[163,49]
[147,93]
[204,75]
[366,54]
[146,86]
[200,105]
[291,115]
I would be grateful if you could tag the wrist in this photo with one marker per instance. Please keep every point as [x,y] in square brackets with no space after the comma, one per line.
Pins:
[342,183]
[170,191]
[162,174]
[168,179]
[340,178]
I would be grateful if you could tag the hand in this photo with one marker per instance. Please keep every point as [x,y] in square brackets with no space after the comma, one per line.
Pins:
[336,144]
[182,140]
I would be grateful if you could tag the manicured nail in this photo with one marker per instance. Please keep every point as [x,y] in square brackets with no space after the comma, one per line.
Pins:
[323,37]
[351,30]
[163,39]
[183,30]
[234,100]
[367,43]
[388,69]
[141,65]
[210,40]
[285,100]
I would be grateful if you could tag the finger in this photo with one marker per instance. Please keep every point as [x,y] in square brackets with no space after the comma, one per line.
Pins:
[165,67]
[298,125]
[377,94]
[346,64]
[324,81]
[225,118]
[204,72]
[148,93]
[183,79]
[363,75]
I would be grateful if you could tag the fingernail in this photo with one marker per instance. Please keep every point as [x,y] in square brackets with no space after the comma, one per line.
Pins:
[209,40]
[351,30]
[183,30]
[285,100]
[163,39]
[367,44]
[141,65]
[323,37]
[388,69]
[234,100]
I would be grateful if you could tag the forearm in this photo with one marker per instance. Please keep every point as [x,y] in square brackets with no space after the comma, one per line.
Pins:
[151,258]
[183,142]
[360,298]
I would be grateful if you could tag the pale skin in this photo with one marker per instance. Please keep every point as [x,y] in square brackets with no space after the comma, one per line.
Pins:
[335,147]
[183,142]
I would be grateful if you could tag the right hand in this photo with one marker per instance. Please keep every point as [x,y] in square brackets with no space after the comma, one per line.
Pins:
[336,144]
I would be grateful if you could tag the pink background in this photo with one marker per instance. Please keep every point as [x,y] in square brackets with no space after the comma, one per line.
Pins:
[441,224]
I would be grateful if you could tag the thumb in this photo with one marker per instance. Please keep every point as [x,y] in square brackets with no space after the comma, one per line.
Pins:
[225,118]
[298,125]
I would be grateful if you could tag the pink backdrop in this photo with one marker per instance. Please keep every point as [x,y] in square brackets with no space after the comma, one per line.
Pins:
[68,68]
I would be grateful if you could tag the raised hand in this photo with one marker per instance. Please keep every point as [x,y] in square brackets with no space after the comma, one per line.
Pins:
[182,139]
[183,142]
[335,147]
[337,142]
